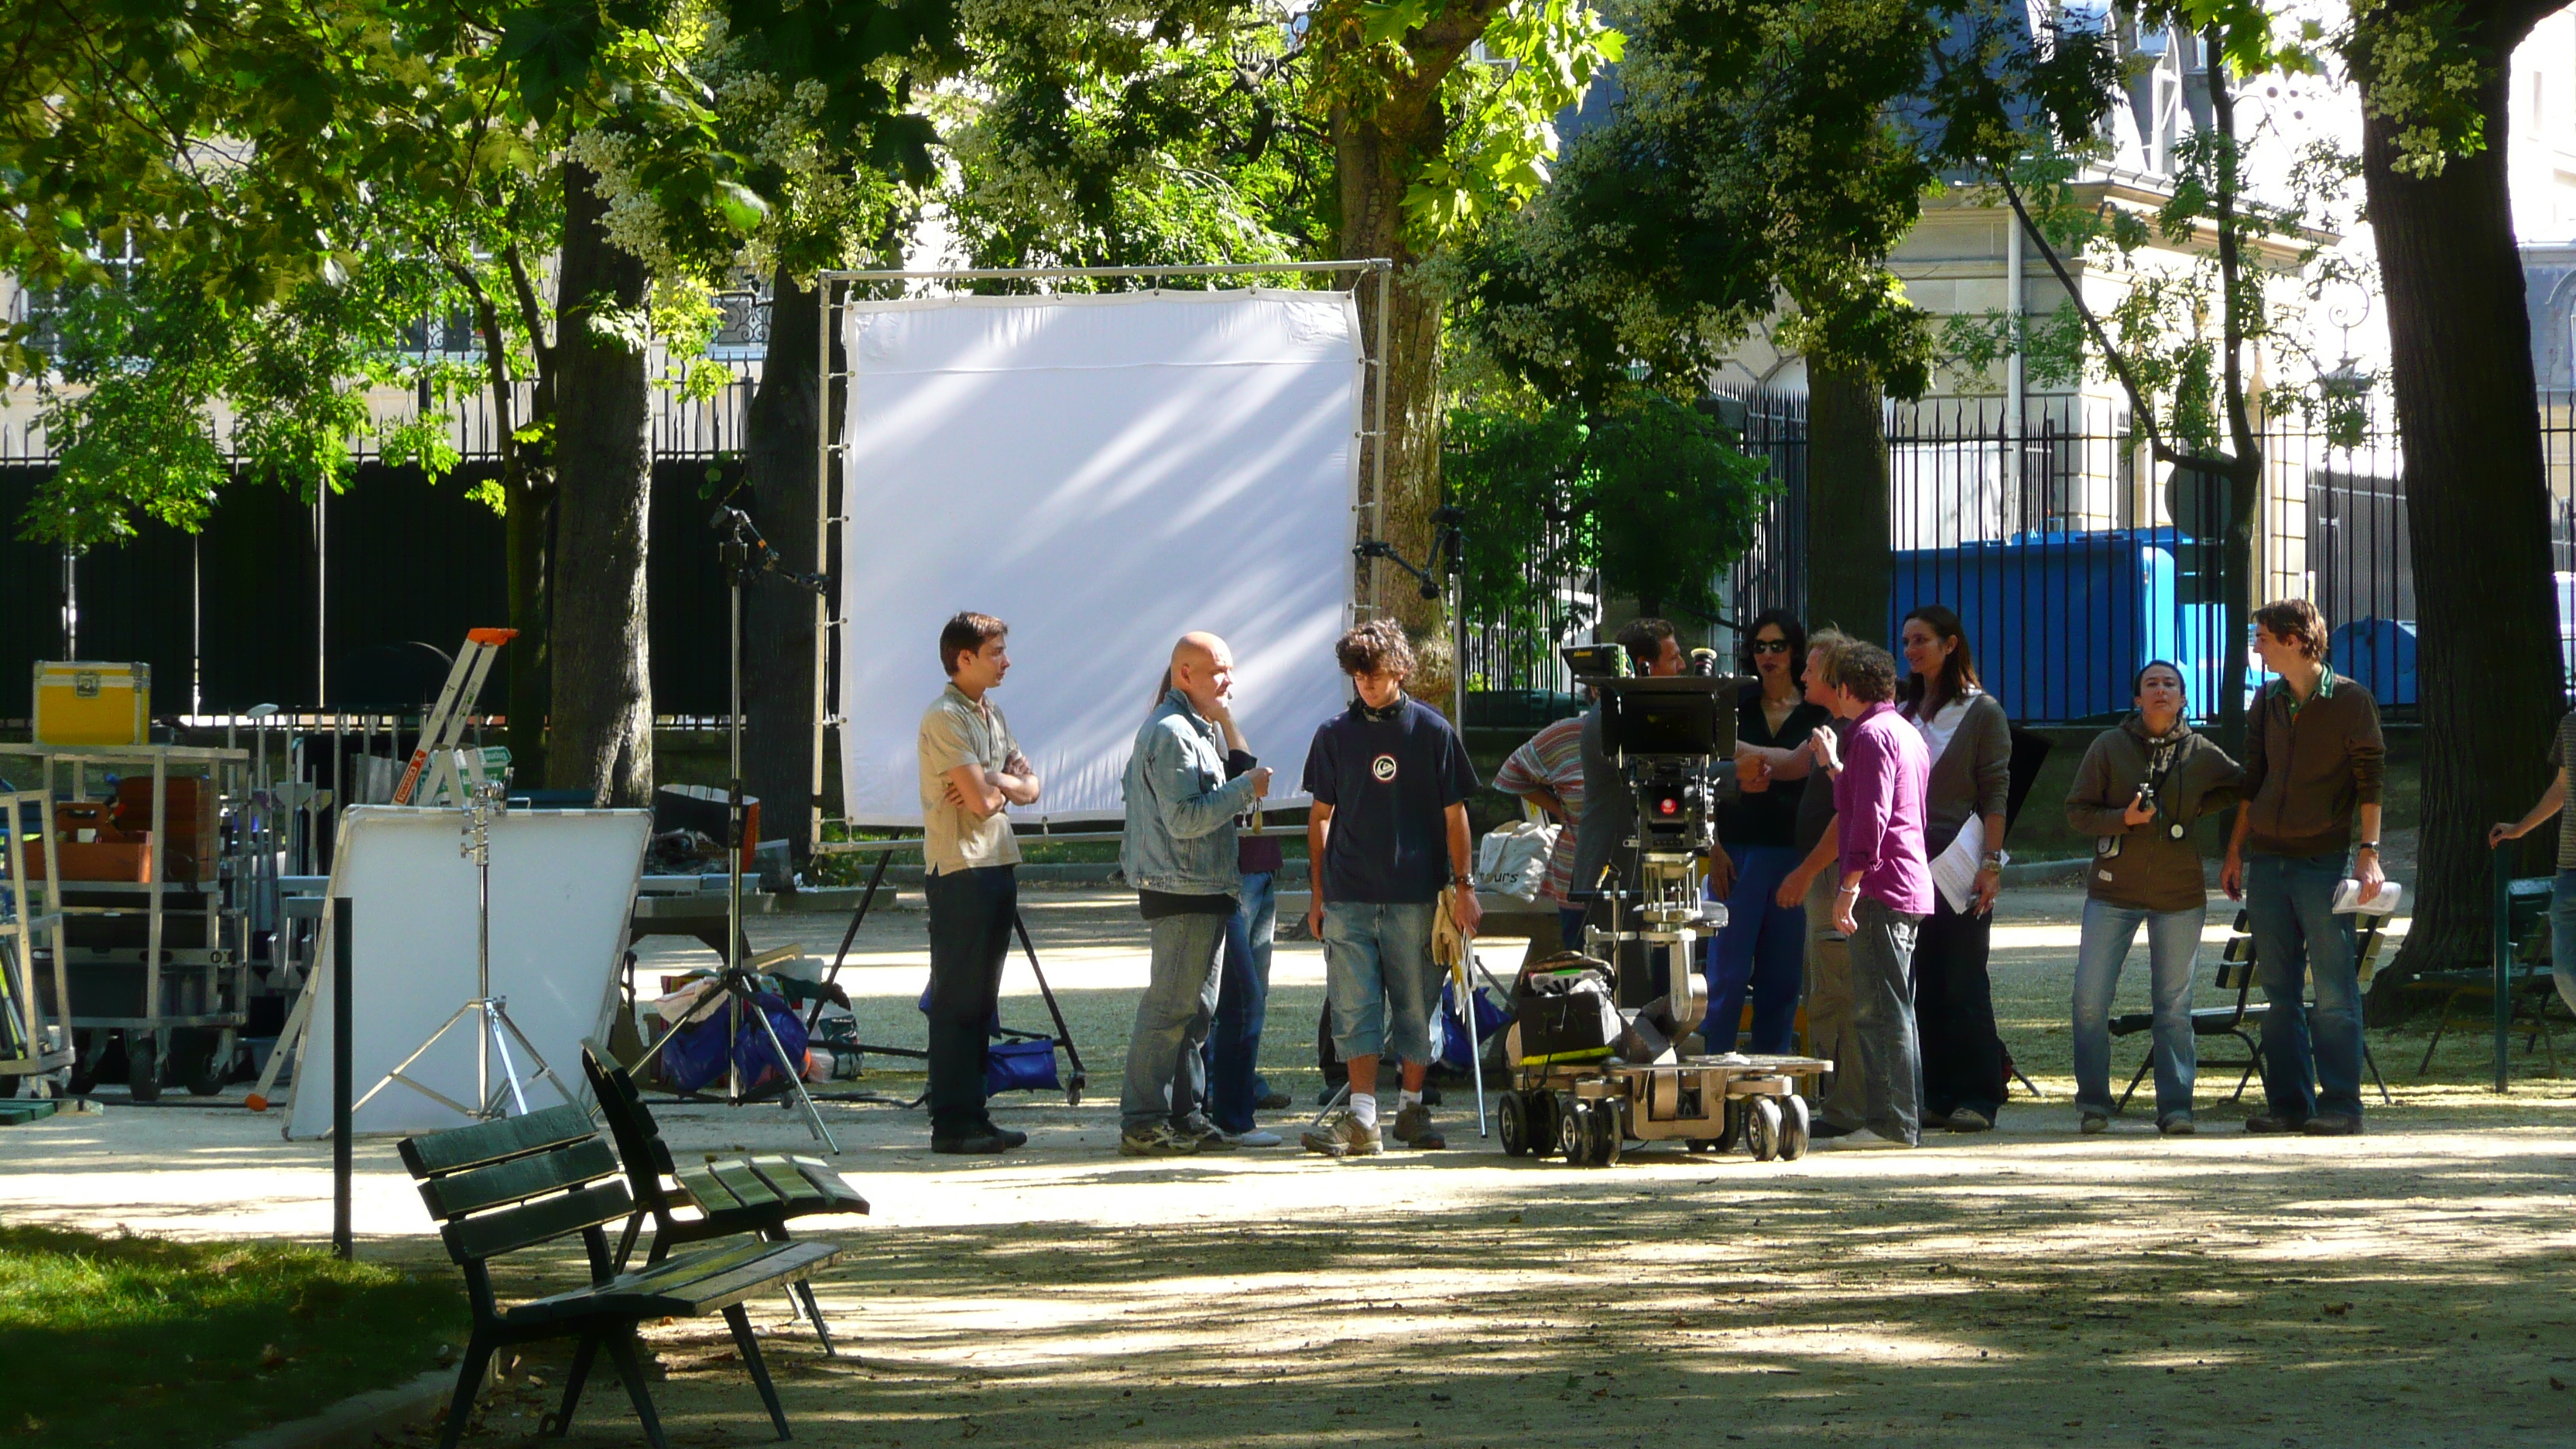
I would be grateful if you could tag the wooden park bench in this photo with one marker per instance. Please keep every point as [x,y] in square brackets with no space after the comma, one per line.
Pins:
[499,1187]
[2243,1018]
[730,1197]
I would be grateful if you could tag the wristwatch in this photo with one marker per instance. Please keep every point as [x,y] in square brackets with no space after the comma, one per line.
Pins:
[2370,845]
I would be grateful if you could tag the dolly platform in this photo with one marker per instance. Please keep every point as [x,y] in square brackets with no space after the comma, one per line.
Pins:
[1586,1113]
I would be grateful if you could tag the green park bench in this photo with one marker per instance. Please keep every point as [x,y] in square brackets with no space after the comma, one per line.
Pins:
[2529,985]
[499,1187]
[730,1197]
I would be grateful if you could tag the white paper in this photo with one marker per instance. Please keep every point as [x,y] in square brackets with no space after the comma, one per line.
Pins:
[1103,473]
[2348,901]
[1954,871]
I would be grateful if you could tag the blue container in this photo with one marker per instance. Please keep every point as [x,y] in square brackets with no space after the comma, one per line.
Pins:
[2061,622]
[2378,654]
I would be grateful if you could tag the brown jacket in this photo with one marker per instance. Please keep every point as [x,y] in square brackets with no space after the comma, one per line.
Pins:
[2145,867]
[2308,769]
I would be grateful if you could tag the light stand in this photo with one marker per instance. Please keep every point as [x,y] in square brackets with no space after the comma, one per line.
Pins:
[493,1029]
[744,555]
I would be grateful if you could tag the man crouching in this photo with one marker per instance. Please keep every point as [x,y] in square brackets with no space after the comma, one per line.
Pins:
[1187,778]
[1389,826]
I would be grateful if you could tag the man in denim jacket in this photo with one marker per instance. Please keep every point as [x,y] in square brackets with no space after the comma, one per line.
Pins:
[1188,776]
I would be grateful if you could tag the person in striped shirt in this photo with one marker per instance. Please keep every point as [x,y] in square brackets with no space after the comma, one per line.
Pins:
[1548,773]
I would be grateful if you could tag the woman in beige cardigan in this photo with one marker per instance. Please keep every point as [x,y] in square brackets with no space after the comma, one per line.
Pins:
[1970,741]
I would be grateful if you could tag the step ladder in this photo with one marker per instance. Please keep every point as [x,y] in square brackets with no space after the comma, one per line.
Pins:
[441,732]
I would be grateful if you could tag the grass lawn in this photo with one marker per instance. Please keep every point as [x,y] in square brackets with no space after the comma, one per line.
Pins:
[112,1341]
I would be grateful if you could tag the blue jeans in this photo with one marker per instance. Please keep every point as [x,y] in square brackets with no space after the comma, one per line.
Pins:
[1242,999]
[2173,949]
[1763,949]
[1166,1078]
[2297,937]
[2562,936]
[1379,980]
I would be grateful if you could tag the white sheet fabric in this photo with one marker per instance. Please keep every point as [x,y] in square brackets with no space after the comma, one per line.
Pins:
[1104,474]
[563,882]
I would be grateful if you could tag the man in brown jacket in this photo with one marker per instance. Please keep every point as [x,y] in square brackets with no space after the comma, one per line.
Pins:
[2314,761]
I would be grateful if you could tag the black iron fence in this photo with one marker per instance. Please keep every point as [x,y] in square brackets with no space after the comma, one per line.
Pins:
[2072,557]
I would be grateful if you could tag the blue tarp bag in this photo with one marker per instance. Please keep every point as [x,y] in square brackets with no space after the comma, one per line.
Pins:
[1019,1062]
[695,1059]
[1456,1053]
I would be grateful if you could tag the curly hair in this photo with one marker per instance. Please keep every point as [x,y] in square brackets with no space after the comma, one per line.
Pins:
[2294,621]
[1375,647]
[1868,671]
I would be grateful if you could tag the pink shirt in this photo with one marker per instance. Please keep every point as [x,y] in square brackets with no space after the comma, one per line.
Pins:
[1878,804]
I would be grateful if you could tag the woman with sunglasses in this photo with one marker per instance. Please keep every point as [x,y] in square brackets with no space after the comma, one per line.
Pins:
[1763,948]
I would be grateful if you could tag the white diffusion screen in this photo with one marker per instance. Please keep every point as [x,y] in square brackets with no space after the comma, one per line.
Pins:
[563,883]
[1104,473]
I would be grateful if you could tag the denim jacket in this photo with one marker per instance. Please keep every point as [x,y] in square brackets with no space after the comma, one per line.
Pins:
[1181,807]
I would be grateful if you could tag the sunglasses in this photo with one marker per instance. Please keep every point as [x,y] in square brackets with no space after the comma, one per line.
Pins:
[1770,646]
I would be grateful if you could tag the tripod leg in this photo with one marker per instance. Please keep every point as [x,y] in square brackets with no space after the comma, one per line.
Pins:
[795,1079]
[1063,1034]
[857,918]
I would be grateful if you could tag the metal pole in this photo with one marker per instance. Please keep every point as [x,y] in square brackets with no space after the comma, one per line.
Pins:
[733,832]
[2503,961]
[343,1242]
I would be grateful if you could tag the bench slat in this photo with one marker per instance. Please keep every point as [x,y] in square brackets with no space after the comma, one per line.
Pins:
[518,1179]
[492,1234]
[463,1147]
[833,1192]
[745,1184]
[703,1187]
[698,1284]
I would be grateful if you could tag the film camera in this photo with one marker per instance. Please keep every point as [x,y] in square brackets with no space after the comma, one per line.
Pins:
[1671,736]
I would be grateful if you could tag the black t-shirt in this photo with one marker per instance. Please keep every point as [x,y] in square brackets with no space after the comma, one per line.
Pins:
[1390,782]
[1768,817]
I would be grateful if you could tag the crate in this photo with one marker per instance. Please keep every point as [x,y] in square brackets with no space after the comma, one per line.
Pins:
[88,702]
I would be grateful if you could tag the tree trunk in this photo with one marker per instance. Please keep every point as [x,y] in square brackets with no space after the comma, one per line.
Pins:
[778,678]
[527,526]
[1847,503]
[603,686]
[2477,502]
[1373,165]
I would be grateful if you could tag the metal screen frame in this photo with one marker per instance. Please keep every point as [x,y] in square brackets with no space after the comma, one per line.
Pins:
[836,290]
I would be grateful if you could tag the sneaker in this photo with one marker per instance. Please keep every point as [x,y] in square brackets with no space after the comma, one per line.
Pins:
[1341,1135]
[1015,1139]
[1969,1119]
[981,1143]
[1205,1133]
[2175,1124]
[1257,1137]
[1267,1097]
[1413,1128]
[2092,1123]
[2266,1122]
[1821,1130]
[1863,1138]
[2332,1124]
[1158,1140]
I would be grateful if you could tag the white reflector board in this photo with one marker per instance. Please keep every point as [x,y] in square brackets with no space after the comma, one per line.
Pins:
[1104,474]
[563,884]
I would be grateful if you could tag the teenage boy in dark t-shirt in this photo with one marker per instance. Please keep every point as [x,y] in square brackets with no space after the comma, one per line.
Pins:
[1388,829]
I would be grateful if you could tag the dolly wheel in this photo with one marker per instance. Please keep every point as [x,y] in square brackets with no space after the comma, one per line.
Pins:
[1546,1128]
[1762,1129]
[1730,1125]
[1577,1133]
[1793,1128]
[1609,1134]
[1514,1125]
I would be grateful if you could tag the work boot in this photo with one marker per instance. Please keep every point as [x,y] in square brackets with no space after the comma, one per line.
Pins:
[1413,1128]
[2267,1123]
[2332,1124]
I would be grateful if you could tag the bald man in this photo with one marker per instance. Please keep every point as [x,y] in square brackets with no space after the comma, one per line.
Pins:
[1188,777]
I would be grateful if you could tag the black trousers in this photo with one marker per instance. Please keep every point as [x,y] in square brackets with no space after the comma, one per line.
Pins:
[1954,1014]
[971,912]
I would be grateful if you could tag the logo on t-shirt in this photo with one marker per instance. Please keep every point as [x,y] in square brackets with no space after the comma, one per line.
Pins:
[1383,768]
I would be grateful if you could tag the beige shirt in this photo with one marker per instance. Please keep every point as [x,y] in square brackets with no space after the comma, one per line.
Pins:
[957,731]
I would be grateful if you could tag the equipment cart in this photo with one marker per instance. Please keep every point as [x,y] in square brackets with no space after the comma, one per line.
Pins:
[149,881]
[1585,1112]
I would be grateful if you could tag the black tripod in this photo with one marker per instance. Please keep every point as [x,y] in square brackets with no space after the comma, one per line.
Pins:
[745,556]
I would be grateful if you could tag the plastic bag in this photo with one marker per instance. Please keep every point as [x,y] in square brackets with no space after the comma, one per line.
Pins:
[1512,859]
